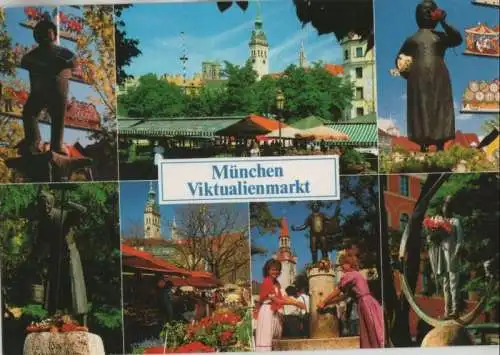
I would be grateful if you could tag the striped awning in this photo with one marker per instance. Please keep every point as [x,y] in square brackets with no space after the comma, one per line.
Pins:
[360,134]
[176,127]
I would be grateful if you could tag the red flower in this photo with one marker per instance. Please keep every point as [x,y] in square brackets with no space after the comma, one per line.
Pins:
[196,347]
[226,336]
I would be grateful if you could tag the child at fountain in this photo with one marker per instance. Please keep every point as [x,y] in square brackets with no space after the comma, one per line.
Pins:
[270,309]
[352,283]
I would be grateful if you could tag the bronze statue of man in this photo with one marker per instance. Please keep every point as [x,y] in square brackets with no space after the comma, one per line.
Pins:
[320,229]
[65,288]
[50,67]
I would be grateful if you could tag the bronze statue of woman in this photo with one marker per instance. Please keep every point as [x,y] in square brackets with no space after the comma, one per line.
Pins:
[430,110]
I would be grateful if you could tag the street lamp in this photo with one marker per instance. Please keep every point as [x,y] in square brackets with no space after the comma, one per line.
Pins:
[280,104]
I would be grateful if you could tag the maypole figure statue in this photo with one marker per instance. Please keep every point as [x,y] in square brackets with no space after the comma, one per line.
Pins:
[65,290]
[321,230]
[445,256]
[50,68]
[430,110]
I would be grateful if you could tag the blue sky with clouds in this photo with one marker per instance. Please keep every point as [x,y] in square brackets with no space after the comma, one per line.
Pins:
[212,35]
[133,197]
[395,21]
[24,36]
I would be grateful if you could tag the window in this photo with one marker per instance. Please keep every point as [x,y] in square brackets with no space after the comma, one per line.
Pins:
[346,54]
[360,111]
[403,221]
[404,188]
[359,93]
[359,52]
[359,73]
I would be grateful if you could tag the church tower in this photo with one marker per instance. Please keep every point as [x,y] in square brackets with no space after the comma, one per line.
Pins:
[152,216]
[259,48]
[286,257]
[302,57]
[173,230]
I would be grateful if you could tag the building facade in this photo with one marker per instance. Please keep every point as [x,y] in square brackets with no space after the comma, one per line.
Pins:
[359,66]
[285,255]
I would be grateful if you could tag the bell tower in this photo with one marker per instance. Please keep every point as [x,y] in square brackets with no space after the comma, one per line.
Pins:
[259,48]
[152,216]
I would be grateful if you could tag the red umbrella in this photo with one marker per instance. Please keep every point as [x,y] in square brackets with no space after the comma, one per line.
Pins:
[145,261]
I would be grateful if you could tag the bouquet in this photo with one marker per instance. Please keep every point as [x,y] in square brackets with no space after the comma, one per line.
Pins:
[403,65]
[437,228]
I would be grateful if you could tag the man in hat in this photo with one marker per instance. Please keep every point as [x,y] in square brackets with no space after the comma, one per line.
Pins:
[49,67]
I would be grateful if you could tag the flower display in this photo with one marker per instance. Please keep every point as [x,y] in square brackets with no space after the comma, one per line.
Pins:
[437,228]
[58,324]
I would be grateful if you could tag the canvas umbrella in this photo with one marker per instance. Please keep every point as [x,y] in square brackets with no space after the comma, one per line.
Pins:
[323,133]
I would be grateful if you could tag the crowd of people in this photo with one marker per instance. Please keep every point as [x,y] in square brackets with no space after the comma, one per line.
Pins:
[190,304]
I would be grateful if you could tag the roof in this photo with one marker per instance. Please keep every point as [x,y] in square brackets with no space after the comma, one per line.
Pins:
[466,140]
[171,127]
[145,261]
[334,69]
[308,122]
[252,125]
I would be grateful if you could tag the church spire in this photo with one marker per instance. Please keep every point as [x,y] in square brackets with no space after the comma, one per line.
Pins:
[302,56]
[259,47]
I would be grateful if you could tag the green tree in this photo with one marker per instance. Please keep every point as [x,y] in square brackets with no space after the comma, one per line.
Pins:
[490,124]
[314,92]
[7,62]
[154,97]
[239,98]
[126,48]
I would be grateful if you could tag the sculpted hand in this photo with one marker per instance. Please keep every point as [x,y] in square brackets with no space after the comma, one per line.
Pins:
[321,305]
[443,16]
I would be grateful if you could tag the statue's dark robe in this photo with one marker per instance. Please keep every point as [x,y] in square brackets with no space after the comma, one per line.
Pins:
[430,109]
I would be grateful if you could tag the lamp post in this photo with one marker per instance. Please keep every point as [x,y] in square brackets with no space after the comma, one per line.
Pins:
[280,104]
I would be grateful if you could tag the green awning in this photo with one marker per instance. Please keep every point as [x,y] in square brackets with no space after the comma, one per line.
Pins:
[174,127]
[359,134]
[308,122]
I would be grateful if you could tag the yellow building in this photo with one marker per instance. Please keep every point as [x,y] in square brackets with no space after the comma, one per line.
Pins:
[191,86]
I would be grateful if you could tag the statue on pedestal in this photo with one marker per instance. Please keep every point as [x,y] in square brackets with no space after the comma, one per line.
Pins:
[50,67]
[322,230]
[430,111]
[65,289]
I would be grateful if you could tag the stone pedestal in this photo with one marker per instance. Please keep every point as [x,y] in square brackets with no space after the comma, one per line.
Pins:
[323,324]
[72,343]
[50,166]
[316,344]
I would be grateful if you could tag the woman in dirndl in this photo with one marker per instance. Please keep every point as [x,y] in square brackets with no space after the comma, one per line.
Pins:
[270,309]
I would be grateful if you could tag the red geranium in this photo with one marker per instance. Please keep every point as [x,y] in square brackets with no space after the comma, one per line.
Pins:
[225,337]
[158,350]
[437,228]
[196,347]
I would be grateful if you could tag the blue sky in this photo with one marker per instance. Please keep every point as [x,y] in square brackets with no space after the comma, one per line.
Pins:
[81,92]
[133,197]
[395,21]
[212,35]
[296,215]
